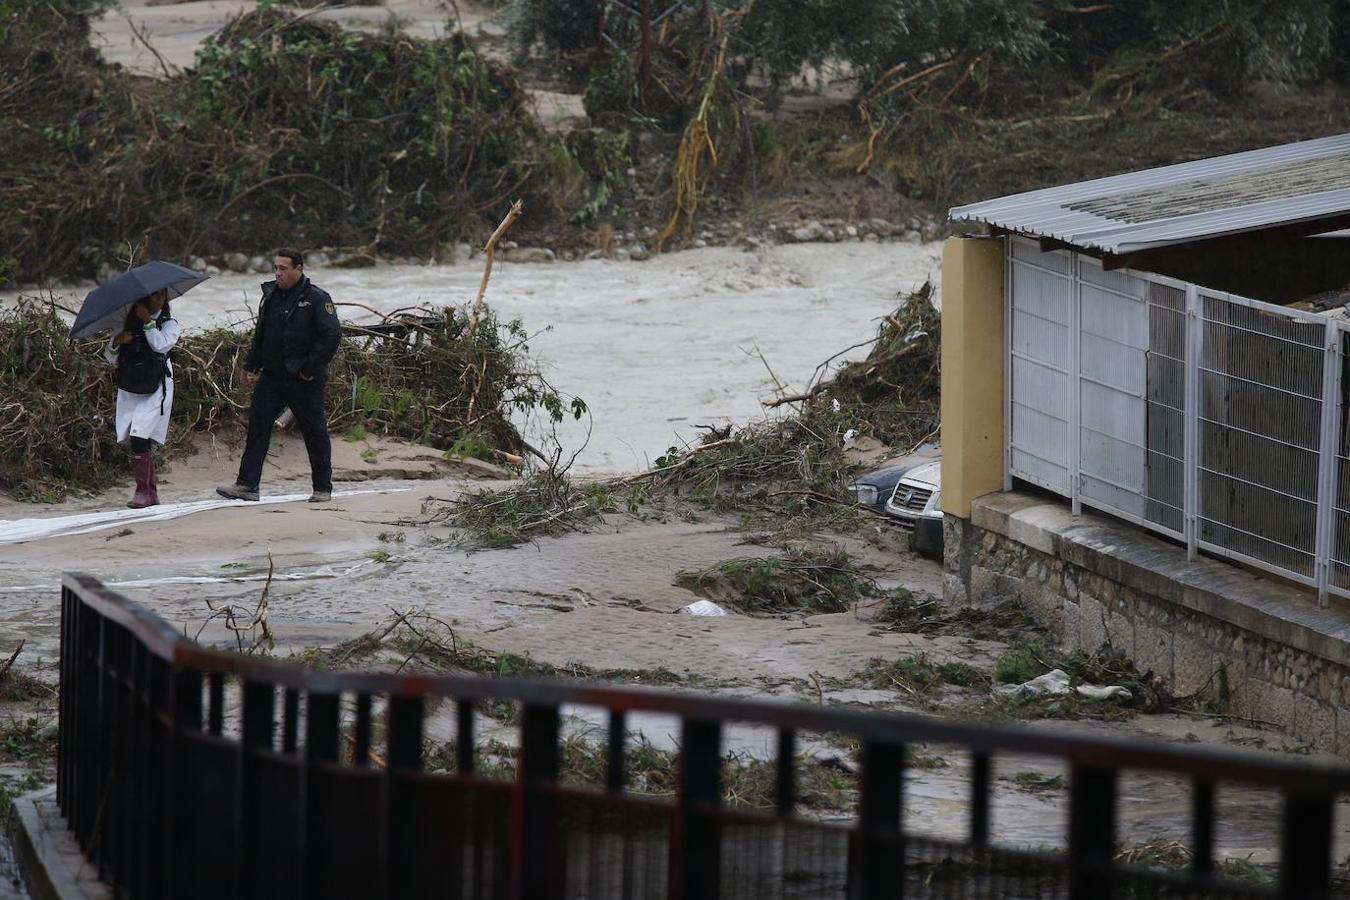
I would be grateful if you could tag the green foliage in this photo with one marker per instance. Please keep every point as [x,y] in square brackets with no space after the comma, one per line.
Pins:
[913,675]
[962,674]
[29,740]
[1021,663]
[1036,783]
[604,157]
[284,124]
[545,503]
[809,580]
[903,608]
[918,676]
[469,446]
[562,28]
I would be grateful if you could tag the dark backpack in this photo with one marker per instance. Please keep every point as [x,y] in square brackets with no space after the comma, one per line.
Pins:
[141,370]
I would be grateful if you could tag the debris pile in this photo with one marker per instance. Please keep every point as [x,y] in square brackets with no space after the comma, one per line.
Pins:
[892,395]
[284,125]
[438,379]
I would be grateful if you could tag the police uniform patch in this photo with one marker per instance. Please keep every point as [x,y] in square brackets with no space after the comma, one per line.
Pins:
[329,306]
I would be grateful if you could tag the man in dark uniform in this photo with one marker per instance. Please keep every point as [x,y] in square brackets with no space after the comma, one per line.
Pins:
[295,338]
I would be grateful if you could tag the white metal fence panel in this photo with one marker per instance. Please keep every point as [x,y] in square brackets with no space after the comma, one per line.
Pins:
[1041,289]
[1195,413]
[1112,389]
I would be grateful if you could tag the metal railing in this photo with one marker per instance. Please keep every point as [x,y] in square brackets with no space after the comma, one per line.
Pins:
[173,792]
[1205,416]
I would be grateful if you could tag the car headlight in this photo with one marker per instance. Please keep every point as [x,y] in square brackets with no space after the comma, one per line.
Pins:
[866,494]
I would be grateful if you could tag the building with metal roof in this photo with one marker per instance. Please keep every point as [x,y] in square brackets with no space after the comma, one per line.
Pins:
[1145,401]
[1293,190]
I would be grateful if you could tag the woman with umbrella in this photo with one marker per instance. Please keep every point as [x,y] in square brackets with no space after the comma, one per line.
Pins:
[144,387]
[138,300]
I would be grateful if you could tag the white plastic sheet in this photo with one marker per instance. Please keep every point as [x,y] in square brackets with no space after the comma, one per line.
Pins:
[18,531]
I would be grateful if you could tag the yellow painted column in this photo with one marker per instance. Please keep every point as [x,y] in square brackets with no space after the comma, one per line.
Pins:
[972,371]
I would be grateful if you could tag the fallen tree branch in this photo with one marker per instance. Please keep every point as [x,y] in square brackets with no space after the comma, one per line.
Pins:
[140,36]
[490,250]
[9,664]
[826,498]
[683,461]
[775,402]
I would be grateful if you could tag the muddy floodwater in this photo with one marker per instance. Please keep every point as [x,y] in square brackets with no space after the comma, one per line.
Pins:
[655,347]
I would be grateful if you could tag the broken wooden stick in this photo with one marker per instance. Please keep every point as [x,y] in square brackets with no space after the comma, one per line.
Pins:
[775,402]
[681,462]
[490,250]
[9,664]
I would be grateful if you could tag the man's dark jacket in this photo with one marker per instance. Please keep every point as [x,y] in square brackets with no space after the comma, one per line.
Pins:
[312,330]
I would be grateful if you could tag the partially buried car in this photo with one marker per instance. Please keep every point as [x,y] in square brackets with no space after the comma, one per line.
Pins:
[916,505]
[874,489]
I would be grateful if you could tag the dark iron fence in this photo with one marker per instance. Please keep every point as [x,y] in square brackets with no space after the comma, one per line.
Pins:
[173,790]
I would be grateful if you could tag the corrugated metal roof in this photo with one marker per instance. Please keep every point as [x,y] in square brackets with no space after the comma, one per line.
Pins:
[1190,201]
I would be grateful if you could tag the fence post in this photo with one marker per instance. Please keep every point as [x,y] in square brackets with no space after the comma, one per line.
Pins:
[1008,300]
[256,734]
[1327,462]
[878,868]
[1075,387]
[1092,832]
[65,698]
[696,833]
[182,823]
[538,847]
[1194,343]
[321,748]
[410,845]
[1305,847]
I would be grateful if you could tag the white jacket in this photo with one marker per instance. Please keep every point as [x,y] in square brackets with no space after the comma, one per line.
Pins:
[140,415]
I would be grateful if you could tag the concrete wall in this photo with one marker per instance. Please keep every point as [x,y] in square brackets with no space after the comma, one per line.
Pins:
[1096,581]
[972,371]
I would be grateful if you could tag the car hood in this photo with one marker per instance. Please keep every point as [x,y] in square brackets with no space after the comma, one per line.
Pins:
[926,473]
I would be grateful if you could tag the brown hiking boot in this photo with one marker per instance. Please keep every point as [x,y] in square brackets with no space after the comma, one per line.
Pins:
[238,492]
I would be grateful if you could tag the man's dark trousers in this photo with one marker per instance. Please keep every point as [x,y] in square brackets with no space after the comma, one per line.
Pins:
[271,395]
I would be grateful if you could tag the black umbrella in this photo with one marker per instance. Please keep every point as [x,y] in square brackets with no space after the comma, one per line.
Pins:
[106,306]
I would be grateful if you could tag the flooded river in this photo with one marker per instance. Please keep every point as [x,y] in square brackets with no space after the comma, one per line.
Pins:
[655,347]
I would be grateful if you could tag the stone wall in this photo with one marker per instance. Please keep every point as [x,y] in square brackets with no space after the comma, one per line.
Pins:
[1098,582]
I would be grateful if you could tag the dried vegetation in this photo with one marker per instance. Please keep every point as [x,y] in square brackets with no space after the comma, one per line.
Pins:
[433,378]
